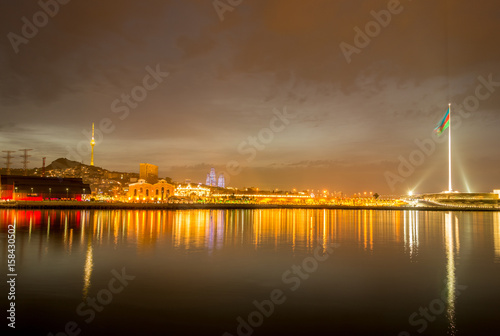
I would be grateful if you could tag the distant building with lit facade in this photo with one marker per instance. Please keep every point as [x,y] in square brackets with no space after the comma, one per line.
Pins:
[189,191]
[221,182]
[148,172]
[211,178]
[142,191]
[35,188]
[213,181]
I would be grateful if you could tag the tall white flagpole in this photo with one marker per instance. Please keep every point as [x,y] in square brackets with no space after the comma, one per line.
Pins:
[449,148]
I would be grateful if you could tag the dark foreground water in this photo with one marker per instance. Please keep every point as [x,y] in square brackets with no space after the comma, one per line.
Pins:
[253,272]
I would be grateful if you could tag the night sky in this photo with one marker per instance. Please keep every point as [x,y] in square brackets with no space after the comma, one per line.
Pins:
[330,97]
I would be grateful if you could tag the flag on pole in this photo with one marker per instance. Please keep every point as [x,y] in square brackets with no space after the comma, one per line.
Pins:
[444,124]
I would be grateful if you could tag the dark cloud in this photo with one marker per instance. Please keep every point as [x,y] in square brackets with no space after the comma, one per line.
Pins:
[81,45]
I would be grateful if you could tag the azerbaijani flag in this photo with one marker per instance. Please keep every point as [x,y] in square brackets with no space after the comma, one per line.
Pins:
[444,124]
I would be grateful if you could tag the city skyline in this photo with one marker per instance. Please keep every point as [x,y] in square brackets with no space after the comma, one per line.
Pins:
[277,94]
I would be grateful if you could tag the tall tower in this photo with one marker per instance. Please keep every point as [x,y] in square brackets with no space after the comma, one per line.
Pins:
[212,177]
[221,183]
[7,160]
[92,144]
[25,156]
[148,172]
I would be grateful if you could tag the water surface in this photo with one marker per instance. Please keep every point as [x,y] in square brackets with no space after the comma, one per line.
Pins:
[207,272]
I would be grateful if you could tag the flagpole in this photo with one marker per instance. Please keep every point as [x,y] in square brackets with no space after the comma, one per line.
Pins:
[449,148]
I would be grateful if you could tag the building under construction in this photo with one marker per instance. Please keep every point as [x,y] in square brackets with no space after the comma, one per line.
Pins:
[34,188]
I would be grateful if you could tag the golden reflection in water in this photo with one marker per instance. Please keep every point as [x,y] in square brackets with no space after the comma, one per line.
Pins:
[191,227]
[70,243]
[368,230]
[210,230]
[67,235]
[496,235]
[29,236]
[451,244]
[82,226]
[116,228]
[324,239]
[87,271]
[213,229]
[411,239]
[48,228]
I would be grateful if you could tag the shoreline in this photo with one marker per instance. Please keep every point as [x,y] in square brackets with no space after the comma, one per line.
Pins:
[215,206]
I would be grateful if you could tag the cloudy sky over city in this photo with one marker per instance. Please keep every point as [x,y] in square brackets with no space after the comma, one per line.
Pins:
[338,95]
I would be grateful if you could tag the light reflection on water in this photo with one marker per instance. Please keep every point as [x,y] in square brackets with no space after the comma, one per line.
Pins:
[214,229]
[496,235]
[87,272]
[411,233]
[452,247]
[43,235]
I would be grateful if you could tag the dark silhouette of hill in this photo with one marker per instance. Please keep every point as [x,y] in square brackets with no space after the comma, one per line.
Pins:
[63,163]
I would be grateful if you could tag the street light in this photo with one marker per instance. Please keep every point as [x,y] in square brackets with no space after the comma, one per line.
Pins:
[50,193]
[67,193]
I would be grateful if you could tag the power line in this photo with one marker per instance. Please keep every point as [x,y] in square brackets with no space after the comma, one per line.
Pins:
[7,158]
[25,157]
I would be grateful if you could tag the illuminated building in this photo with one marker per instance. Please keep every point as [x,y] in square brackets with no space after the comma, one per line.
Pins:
[213,181]
[34,188]
[148,172]
[188,191]
[221,183]
[268,198]
[143,191]
[212,177]
[92,144]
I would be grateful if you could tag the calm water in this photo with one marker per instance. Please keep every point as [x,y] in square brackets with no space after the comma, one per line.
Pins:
[255,272]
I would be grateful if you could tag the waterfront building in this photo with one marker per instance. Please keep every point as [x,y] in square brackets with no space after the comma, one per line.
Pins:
[190,191]
[142,191]
[268,198]
[35,188]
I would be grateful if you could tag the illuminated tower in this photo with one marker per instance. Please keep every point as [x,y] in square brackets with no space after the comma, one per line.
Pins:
[208,180]
[222,181]
[212,177]
[92,144]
